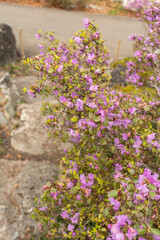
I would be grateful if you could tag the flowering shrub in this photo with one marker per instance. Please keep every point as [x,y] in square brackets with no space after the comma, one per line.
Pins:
[135,5]
[144,69]
[105,189]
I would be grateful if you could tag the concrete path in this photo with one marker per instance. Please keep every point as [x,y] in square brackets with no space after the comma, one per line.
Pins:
[65,24]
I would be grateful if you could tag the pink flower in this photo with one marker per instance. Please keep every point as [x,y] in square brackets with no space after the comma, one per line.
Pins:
[64,214]
[116,141]
[150,138]
[78,40]
[86,22]
[93,88]
[74,219]
[70,185]
[79,105]
[92,105]
[37,36]
[115,203]
[70,228]
[124,136]
[59,69]
[132,110]
[137,143]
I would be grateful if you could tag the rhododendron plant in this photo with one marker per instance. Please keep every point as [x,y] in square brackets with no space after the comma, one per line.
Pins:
[108,186]
[144,69]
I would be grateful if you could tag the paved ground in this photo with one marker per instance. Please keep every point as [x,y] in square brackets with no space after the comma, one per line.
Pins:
[65,24]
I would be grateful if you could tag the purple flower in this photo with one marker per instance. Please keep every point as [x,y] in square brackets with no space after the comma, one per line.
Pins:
[124,136]
[150,138]
[74,219]
[64,214]
[92,105]
[86,22]
[37,36]
[89,79]
[131,233]
[122,219]
[30,93]
[74,95]
[59,69]
[116,141]
[69,104]
[93,88]
[97,71]
[70,185]
[90,58]
[78,40]
[90,176]
[91,124]
[137,144]
[78,197]
[119,236]
[132,110]
[118,167]
[83,179]
[51,117]
[115,203]
[42,209]
[79,104]
[62,99]
[82,124]
[41,46]
[74,61]
[70,228]
[121,148]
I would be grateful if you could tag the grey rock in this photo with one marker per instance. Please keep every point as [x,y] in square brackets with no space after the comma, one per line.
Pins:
[118,75]
[10,95]
[8,52]
[30,136]
[21,183]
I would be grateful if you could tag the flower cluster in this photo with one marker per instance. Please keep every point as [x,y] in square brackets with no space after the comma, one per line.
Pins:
[105,189]
[135,5]
[144,69]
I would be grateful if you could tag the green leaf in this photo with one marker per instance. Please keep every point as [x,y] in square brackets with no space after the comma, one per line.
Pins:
[152,194]
[141,231]
[50,70]
[130,204]
[104,142]
[105,123]
[74,119]
[151,186]
[106,212]
[113,193]
[132,171]
[140,207]
[96,119]
[155,231]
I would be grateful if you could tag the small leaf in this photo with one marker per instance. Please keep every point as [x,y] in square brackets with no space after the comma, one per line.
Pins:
[106,212]
[141,231]
[112,193]
[132,171]
[152,194]
[96,119]
[151,186]
[130,204]
[74,119]
[155,231]
[50,70]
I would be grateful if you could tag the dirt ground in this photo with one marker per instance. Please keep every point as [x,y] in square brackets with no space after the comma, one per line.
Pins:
[100,6]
